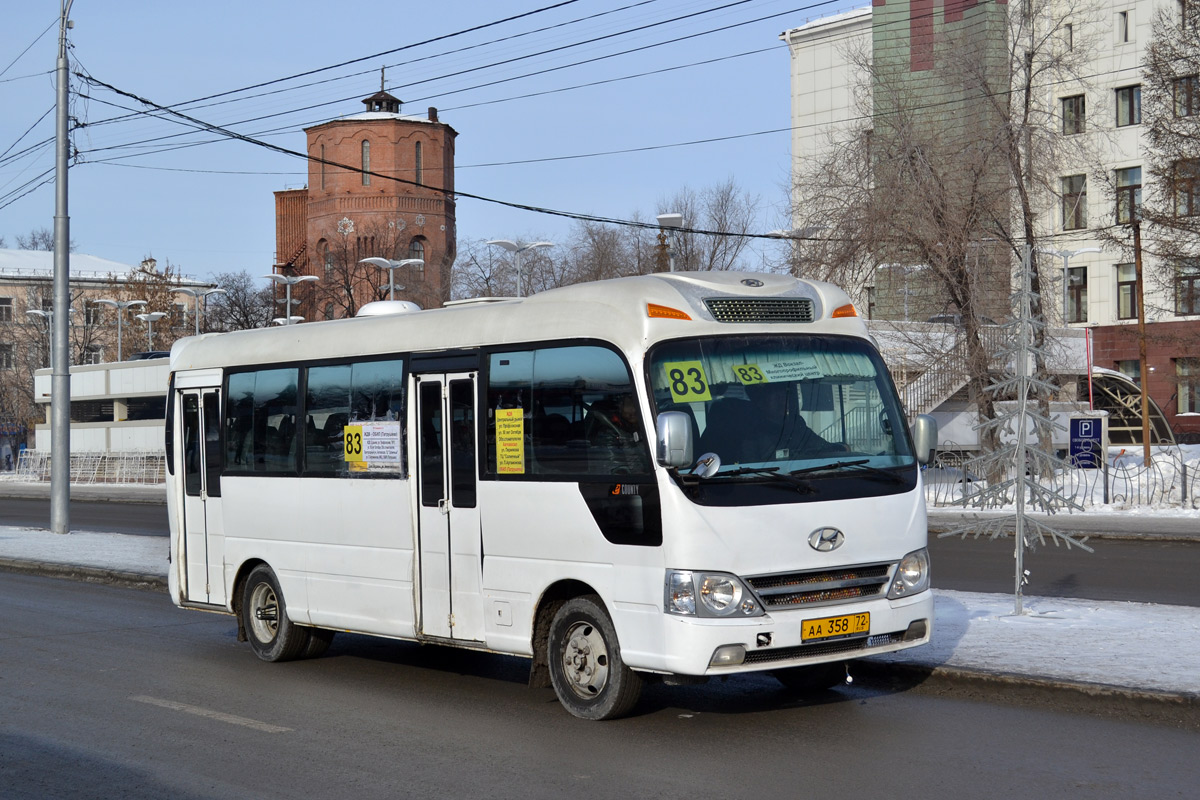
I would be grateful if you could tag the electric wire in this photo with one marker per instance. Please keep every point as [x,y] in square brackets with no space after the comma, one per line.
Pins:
[36,39]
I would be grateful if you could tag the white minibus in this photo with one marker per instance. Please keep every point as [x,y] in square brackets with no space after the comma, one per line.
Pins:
[668,477]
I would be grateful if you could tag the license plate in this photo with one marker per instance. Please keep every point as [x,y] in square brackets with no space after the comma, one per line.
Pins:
[829,627]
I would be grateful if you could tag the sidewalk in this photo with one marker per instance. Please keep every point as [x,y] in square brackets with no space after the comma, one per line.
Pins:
[1135,650]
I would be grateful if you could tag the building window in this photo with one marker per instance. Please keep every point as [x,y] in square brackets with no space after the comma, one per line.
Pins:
[870,302]
[1126,287]
[1129,194]
[1185,185]
[6,356]
[366,163]
[1124,27]
[329,311]
[1074,113]
[1187,372]
[1069,36]
[420,180]
[1129,106]
[1074,202]
[322,166]
[92,354]
[1131,368]
[1187,288]
[416,249]
[1186,91]
[6,309]
[1077,294]
[93,314]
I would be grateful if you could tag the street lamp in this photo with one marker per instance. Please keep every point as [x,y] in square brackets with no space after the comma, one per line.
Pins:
[121,306]
[1066,256]
[670,222]
[795,236]
[391,266]
[289,281]
[517,249]
[151,318]
[197,295]
[48,315]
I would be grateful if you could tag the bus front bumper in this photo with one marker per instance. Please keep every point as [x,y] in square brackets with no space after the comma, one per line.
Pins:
[781,639]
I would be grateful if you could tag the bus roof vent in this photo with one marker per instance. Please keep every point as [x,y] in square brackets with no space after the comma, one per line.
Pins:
[383,308]
[760,309]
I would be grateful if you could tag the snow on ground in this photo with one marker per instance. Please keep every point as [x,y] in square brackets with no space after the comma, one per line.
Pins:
[1140,646]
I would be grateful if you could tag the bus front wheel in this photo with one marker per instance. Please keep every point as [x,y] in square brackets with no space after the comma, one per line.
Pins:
[586,668]
[812,678]
[264,615]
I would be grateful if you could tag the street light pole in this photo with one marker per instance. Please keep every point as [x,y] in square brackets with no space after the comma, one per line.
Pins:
[197,295]
[391,266]
[121,306]
[517,249]
[150,319]
[1066,256]
[288,281]
[670,222]
[49,317]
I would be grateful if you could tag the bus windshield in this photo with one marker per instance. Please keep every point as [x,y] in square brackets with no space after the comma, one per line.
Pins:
[793,405]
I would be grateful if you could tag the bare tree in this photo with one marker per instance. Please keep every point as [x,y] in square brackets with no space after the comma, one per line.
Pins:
[1171,117]
[946,179]
[38,239]
[245,304]
[345,284]
[723,208]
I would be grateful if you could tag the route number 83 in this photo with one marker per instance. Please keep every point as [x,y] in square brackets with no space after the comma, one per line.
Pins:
[687,381]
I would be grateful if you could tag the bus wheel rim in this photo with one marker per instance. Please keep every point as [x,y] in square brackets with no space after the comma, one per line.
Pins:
[585,660]
[264,606]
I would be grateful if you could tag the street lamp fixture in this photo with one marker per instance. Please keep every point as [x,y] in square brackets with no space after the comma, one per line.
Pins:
[48,315]
[391,266]
[151,318]
[288,281]
[197,295]
[1066,256]
[517,249]
[288,320]
[670,222]
[121,306]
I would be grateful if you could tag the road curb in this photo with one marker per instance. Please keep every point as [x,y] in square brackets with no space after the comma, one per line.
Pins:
[1187,702]
[108,577]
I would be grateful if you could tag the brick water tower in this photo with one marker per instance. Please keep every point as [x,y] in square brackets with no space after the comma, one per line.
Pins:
[380,183]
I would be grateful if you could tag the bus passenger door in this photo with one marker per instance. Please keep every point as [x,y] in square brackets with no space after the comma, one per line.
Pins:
[451,572]
[200,412]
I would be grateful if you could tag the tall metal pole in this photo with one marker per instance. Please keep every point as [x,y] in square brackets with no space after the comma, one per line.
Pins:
[1141,312]
[60,373]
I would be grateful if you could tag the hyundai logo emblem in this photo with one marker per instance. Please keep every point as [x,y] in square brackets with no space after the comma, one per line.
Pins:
[825,539]
[755,282]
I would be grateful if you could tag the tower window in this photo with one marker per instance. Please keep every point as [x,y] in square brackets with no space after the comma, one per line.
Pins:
[366,163]
[420,182]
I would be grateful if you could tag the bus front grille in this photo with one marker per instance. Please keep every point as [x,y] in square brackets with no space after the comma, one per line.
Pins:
[820,587]
[760,309]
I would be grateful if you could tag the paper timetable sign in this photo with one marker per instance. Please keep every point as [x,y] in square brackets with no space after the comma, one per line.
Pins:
[372,442]
[510,441]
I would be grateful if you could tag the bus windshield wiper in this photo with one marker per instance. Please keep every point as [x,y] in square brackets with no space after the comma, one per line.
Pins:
[766,472]
[858,465]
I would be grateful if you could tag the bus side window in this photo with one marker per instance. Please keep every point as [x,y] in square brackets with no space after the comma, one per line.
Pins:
[212,444]
[191,445]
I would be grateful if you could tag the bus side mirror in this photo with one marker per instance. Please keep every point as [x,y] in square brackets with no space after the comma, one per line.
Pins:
[925,437]
[674,429]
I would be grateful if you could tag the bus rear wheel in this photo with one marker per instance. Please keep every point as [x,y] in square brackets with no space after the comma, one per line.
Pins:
[586,669]
[264,615]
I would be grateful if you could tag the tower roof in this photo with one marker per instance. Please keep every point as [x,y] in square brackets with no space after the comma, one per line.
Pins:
[382,101]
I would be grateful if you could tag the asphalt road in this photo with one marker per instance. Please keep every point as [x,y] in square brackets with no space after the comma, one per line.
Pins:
[114,692]
[143,519]
[1148,570]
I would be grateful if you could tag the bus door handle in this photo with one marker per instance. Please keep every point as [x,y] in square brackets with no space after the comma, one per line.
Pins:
[443,506]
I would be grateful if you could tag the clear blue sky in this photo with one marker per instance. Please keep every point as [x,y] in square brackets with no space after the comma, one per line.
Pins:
[209,207]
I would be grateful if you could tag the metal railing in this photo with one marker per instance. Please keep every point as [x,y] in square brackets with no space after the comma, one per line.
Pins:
[137,467]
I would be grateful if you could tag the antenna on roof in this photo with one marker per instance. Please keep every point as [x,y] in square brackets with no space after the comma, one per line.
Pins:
[381,69]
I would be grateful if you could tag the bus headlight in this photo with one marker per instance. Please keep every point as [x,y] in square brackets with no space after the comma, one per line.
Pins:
[912,575]
[708,594]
